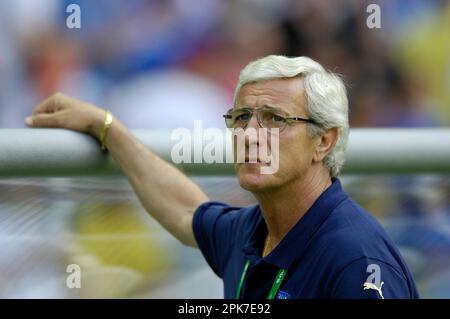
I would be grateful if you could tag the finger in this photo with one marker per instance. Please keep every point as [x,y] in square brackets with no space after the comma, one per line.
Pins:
[42,120]
[50,105]
[46,106]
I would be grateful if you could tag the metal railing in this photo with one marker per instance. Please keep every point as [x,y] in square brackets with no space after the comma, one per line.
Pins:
[57,152]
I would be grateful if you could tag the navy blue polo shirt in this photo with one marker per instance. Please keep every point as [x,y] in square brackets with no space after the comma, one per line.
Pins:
[336,250]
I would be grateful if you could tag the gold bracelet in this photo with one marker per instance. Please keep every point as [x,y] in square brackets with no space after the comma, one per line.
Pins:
[106,126]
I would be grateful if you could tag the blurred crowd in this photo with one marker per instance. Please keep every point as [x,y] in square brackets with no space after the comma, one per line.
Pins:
[162,64]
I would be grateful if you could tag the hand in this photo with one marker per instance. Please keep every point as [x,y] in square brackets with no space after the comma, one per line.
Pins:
[62,111]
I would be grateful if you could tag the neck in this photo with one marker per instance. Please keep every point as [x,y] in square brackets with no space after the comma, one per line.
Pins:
[281,212]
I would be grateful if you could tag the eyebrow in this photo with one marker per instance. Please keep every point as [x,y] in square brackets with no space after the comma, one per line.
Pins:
[265,106]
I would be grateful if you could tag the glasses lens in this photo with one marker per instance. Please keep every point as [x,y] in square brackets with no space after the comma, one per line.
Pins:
[270,119]
[238,118]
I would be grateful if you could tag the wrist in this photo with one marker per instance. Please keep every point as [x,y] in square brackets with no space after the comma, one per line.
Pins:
[97,123]
[104,133]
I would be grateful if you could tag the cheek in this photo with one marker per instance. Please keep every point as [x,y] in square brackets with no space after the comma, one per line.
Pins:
[295,154]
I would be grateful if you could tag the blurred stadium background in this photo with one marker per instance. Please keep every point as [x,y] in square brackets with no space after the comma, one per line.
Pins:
[162,65]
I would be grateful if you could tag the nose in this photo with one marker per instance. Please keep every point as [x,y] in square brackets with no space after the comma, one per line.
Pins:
[253,123]
[251,131]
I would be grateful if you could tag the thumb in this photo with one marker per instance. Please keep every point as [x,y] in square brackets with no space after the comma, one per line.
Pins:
[42,120]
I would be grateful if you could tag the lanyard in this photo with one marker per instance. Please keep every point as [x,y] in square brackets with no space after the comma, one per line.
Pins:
[275,286]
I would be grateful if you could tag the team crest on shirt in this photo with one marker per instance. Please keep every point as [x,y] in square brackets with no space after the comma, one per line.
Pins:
[283,295]
[374,280]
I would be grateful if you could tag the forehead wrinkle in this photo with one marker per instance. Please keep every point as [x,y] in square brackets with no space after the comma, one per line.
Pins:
[273,97]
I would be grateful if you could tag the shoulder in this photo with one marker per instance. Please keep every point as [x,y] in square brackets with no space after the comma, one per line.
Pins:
[371,278]
[351,233]
[356,249]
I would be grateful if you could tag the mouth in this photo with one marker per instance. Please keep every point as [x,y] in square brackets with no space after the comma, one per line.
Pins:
[247,160]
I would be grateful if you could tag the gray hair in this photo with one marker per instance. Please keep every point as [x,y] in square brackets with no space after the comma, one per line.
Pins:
[326,97]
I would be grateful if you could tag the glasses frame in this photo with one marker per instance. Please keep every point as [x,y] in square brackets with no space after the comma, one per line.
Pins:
[251,111]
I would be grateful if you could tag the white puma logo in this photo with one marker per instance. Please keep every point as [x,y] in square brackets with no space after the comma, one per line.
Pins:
[369,285]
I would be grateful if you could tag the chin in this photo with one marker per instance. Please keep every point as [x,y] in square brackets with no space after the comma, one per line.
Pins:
[251,179]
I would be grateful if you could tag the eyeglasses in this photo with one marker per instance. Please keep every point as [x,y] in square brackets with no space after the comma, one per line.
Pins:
[267,118]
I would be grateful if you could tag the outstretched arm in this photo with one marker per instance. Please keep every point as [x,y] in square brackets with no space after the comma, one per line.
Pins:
[165,192]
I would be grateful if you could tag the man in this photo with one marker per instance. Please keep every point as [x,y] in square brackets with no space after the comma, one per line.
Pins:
[306,238]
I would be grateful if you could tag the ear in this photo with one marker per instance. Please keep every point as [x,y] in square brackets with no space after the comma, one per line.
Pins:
[325,144]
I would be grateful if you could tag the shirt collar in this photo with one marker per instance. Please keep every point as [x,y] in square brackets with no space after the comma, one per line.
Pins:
[297,239]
